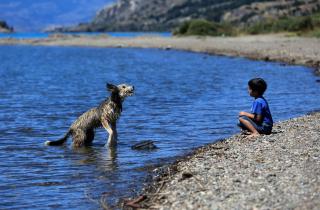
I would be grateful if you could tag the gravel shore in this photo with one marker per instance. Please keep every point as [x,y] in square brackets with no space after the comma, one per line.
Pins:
[277,171]
[272,47]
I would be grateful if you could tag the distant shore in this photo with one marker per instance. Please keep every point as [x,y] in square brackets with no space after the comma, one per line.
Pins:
[273,47]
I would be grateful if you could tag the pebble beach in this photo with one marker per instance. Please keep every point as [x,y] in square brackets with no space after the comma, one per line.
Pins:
[277,171]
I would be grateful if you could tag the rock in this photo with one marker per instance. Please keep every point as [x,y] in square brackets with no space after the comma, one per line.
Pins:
[5,28]
[144,145]
[186,175]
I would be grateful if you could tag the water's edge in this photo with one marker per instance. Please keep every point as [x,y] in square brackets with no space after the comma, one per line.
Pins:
[165,175]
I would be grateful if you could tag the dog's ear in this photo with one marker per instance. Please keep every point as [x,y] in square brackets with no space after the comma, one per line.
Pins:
[111,87]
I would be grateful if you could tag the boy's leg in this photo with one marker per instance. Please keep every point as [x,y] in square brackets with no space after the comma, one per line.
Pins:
[248,125]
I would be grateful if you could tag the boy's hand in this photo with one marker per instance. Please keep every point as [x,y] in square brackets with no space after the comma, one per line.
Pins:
[242,113]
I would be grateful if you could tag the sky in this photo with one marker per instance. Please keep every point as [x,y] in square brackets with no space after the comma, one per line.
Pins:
[37,15]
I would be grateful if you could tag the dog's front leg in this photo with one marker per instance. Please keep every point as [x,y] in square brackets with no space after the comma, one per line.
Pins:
[112,139]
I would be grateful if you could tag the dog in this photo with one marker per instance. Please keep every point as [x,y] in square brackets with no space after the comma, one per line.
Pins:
[105,115]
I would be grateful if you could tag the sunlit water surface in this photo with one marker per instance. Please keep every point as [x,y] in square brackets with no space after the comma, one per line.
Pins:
[183,100]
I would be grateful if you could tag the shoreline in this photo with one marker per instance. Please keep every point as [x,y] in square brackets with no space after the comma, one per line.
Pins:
[271,47]
[277,171]
[234,173]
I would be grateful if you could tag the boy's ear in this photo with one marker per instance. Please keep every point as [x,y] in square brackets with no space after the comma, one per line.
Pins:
[111,87]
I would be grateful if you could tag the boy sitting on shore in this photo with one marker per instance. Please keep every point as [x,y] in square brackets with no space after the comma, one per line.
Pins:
[259,121]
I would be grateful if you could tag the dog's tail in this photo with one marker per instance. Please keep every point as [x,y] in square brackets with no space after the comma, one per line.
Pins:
[60,141]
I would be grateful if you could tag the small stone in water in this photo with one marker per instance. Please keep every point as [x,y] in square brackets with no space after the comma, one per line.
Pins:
[144,145]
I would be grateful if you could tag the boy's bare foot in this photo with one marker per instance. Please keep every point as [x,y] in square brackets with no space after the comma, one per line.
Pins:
[244,132]
[253,135]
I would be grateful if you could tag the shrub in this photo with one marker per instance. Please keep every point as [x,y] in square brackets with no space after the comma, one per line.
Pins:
[260,27]
[181,30]
[302,25]
[294,24]
[287,24]
[201,27]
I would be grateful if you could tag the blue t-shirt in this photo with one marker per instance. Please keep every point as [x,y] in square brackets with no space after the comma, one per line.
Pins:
[260,107]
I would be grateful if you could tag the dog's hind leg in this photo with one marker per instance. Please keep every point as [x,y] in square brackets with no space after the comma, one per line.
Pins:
[115,133]
[79,138]
[90,137]
[112,139]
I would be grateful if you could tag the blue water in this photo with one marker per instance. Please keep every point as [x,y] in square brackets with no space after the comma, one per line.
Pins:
[183,100]
[37,35]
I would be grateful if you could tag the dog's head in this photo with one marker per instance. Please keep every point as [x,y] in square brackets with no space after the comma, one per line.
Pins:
[122,90]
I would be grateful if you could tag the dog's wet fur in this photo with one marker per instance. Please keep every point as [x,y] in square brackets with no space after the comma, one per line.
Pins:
[105,115]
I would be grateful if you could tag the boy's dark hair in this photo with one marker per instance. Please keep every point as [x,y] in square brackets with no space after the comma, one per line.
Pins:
[258,84]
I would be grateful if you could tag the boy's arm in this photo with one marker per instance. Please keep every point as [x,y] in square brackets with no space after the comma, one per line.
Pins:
[247,114]
[255,117]
[258,118]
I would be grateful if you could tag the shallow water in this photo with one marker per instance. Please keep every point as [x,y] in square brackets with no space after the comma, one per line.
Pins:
[183,100]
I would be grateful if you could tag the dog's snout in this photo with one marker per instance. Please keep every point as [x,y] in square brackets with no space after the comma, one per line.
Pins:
[132,87]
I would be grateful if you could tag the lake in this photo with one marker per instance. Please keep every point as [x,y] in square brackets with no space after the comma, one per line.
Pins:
[183,100]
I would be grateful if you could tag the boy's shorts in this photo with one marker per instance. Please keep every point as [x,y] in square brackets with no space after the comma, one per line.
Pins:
[262,129]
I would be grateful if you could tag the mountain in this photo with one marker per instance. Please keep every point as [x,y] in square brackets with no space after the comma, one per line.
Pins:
[4,28]
[164,15]
[31,15]
[271,9]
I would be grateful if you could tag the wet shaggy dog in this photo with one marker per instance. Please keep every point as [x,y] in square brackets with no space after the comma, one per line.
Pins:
[105,115]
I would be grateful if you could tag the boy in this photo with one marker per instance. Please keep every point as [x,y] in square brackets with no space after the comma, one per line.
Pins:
[259,121]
